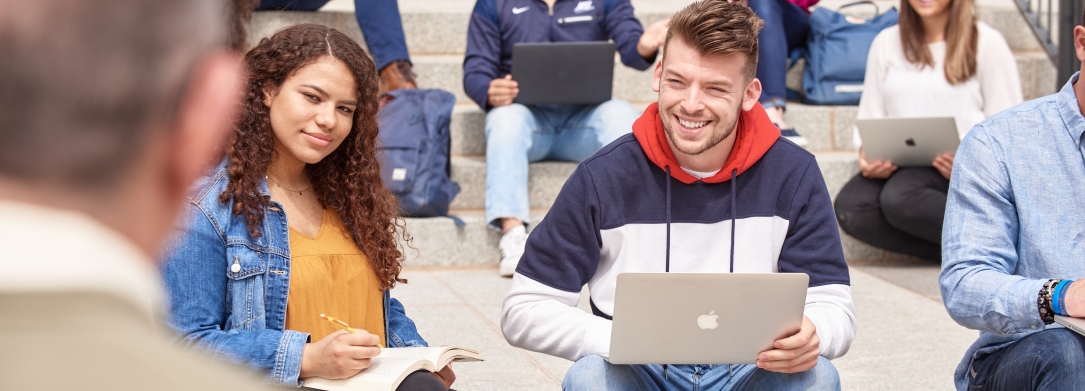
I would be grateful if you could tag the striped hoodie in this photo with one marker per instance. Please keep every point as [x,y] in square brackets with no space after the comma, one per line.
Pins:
[631,208]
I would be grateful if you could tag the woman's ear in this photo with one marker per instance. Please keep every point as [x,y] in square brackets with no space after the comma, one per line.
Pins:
[269,92]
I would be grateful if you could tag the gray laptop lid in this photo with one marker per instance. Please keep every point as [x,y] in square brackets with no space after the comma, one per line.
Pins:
[908,141]
[1075,324]
[703,318]
[563,72]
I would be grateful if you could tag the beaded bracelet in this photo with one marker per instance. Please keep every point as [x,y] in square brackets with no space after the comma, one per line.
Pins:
[1044,299]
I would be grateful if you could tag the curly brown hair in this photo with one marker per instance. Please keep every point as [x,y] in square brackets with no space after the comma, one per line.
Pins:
[239,14]
[348,180]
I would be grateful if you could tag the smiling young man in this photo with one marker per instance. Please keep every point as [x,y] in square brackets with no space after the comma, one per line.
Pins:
[704,168]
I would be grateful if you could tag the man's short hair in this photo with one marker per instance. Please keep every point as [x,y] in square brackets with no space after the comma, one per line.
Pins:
[718,27]
[84,84]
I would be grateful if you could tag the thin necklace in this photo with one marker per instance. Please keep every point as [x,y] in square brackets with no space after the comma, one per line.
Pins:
[268,177]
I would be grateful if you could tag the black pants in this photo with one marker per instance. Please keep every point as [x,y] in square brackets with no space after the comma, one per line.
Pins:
[417,381]
[903,213]
[421,381]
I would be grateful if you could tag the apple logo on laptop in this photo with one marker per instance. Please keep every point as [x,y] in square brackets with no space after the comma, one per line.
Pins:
[910,141]
[708,322]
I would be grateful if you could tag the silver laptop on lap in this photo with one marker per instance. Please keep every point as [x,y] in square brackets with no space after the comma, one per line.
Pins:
[1075,324]
[908,141]
[703,318]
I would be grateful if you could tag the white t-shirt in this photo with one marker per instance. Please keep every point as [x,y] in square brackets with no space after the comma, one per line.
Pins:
[699,174]
[894,87]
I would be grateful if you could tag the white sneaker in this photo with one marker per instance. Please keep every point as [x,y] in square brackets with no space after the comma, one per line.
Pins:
[512,248]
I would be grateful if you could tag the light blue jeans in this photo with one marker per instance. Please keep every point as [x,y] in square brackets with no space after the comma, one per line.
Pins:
[518,134]
[595,373]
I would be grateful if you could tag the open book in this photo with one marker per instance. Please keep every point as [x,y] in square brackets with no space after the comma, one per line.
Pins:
[393,365]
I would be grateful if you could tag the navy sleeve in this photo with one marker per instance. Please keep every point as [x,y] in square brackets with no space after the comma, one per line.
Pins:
[563,250]
[624,28]
[812,244]
[482,61]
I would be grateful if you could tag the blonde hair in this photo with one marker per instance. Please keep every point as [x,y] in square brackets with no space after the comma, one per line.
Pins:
[962,39]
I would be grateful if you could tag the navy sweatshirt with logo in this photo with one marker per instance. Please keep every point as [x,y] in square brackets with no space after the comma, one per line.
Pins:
[497,25]
[631,208]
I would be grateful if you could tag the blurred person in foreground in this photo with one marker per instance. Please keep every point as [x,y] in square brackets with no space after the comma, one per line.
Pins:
[109,109]
[1011,243]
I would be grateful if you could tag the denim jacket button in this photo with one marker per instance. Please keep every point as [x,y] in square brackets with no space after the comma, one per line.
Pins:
[235,268]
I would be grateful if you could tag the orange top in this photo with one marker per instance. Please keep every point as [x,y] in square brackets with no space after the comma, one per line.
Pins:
[330,275]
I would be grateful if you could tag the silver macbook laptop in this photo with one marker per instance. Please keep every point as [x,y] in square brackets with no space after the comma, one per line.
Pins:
[703,318]
[563,72]
[1075,324]
[908,141]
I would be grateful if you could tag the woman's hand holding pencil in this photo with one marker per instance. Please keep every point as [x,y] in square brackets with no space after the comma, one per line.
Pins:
[341,354]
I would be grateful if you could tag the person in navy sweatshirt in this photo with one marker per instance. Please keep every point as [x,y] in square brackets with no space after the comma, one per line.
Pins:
[704,168]
[517,133]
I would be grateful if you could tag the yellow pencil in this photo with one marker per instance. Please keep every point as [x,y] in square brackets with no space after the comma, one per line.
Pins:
[344,325]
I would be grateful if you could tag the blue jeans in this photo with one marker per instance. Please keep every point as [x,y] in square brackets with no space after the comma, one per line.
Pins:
[518,134]
[380,23]
[1048,360]
[595,373]
[786,27]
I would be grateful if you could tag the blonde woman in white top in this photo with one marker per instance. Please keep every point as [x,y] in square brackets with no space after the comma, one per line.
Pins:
[939,61]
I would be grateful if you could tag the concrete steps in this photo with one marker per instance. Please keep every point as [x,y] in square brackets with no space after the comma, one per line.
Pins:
[436,36]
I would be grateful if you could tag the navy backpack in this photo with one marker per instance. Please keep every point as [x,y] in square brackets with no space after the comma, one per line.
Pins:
[413,148]
[836,52]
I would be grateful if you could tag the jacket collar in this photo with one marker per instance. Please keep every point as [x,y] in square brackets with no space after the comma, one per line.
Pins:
[754,136]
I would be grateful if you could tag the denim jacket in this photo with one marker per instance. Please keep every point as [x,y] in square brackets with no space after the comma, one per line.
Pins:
[1013,220]
[228,291]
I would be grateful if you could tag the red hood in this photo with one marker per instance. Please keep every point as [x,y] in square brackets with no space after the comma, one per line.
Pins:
[754,136]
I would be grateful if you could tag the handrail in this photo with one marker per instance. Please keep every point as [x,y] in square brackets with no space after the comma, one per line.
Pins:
[1040,15]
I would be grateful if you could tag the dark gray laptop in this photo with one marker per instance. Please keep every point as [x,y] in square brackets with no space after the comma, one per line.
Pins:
[563,72]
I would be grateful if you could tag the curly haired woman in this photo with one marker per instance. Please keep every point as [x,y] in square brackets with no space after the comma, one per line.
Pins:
[296,222]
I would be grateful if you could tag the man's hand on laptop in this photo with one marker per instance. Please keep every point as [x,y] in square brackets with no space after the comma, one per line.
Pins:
[793,354]
[503,91]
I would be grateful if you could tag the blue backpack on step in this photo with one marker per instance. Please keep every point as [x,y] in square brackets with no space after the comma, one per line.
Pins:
[836,52]
[413,148]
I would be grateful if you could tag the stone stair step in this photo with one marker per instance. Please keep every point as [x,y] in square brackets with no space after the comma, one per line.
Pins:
[430,27]
[441,243]
[546,178]
[440,27]
[438,241]
[826,128]
[446,72]
[436,36]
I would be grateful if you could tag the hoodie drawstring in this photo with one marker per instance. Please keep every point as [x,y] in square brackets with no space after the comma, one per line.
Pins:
[734,216]
[668,256]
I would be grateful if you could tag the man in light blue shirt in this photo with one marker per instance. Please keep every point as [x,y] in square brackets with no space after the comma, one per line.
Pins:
[1014,228]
